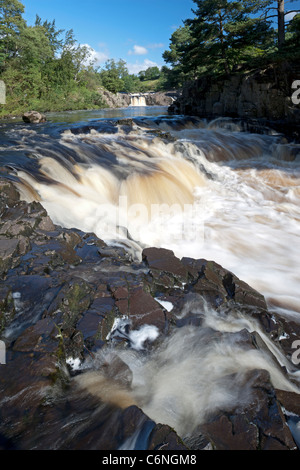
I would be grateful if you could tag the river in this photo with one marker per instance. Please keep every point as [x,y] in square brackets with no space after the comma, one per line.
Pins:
[138,177]
[211,191]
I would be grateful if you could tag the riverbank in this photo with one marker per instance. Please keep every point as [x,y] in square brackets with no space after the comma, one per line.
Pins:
[105,99]
[264,98]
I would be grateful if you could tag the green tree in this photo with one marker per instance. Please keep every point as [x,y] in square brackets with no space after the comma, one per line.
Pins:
[131,83]
[151,73]
[280,14]
[180,42]
[66,70]
[51,33]
[113,75]
[225,33]
[293,35]
[11,25]
[34,53]
[35,48]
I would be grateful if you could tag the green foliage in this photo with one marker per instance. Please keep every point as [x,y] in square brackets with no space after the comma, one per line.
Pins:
[51,33]
[151,73]
[11,24]
[293,35]
[112,76]
[181,42]
[225,36]
[116,78]
[43,69]
[35,48]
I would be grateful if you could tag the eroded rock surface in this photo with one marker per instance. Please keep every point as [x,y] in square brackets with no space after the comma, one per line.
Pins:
[33,117]
[63,291]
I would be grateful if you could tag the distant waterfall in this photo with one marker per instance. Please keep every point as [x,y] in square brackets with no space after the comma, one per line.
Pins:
[138,100]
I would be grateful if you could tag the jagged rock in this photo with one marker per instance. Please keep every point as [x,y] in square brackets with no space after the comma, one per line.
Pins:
[61,291]
[41,337]
[140,307]
[33,369]
[258,426]
[161,260]
[9,195]
[114,100]
[97,321]
[262,96]
[8,248]
[33,117]
[289,400]
[163,438]
[160,98]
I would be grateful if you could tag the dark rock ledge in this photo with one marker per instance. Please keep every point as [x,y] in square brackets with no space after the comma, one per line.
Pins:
[60,293]
[261,100]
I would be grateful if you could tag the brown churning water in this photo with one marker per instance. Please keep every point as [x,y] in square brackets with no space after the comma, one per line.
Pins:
[209,191]
[224,195]
[193,373]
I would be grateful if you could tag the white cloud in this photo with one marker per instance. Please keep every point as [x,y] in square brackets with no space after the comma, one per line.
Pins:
[138,50]
[138,66]
[96,57]
[290,16]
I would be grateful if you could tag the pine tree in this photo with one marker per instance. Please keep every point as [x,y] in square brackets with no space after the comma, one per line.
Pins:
[11,25]
[224,33]
[180,43]
[280,13]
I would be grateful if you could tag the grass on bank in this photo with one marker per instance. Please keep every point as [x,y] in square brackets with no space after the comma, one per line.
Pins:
[18,102]
[82,98]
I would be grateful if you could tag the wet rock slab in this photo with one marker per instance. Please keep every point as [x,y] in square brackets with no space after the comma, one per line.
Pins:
[61,293]
[258,426]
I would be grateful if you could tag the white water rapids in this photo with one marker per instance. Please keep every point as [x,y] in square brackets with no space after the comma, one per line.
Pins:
[227,196]
[207,191]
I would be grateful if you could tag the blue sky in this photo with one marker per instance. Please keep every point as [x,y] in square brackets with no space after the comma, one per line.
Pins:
[137,31]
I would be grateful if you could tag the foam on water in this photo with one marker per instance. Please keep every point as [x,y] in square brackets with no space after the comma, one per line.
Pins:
[221,195]
[136,338]
[212,193]
[193,373]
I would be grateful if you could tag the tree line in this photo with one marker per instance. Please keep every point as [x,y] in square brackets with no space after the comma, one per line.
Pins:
[226,36]
[46,69]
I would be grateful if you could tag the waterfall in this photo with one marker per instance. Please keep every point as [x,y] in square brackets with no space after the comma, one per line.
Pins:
[206,191]
[228,196]
[138,100]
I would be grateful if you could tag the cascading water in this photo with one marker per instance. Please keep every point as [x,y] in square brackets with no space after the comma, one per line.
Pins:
[203,190]
[138,100]
[228,196]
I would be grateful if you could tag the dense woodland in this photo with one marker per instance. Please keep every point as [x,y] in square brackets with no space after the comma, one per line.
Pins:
[226,37]
[46,69]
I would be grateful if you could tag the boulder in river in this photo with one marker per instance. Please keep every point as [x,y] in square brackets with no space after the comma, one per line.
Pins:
[33,117]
